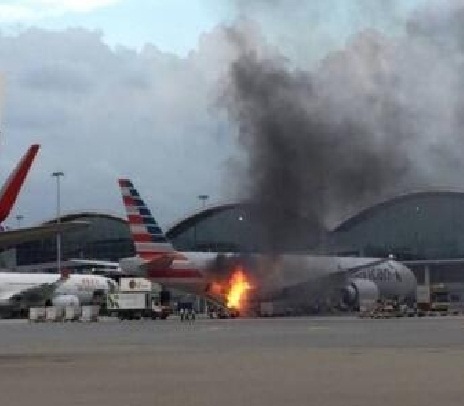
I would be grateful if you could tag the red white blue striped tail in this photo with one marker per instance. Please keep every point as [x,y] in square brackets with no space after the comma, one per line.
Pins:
[149,239]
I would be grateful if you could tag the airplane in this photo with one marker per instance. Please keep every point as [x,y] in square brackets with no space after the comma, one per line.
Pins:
[8,196]
[352,280]
[20,291]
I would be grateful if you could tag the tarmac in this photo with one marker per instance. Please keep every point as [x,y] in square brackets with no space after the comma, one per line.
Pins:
[283,361]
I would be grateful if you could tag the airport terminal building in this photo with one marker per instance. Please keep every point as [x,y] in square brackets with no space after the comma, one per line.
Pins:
[106,237]
[424,229]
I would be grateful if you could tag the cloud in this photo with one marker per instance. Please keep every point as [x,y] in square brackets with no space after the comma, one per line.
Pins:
[101,113]
[75,5]
[33,10]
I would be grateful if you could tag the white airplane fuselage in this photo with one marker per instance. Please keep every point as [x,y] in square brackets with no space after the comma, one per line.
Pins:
[199,270]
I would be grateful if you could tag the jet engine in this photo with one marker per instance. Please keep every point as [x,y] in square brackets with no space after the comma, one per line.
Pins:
[358,292]
[65,300]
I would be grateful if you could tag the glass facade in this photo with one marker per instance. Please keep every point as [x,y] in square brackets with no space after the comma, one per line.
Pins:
[106,238]
[224,229]
[237,228]
[416,226]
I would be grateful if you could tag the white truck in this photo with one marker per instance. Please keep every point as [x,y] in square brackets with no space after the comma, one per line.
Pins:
[128,305]
[137,298]
[132,306]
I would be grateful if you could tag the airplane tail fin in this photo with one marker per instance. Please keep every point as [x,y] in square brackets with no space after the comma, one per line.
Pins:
[149,240]
[12,186]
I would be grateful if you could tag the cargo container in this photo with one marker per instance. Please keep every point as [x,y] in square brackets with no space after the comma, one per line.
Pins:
[72,313]
[90,313]
[54,313]
[37,314]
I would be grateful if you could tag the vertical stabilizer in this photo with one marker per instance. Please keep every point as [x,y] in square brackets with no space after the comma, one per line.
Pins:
[149,239]
[12,186]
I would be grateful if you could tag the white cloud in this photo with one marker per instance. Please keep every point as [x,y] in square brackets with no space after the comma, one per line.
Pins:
[33,10]
[74,5]
[16,12]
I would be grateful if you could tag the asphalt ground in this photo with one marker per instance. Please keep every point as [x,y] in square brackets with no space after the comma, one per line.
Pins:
[289,361]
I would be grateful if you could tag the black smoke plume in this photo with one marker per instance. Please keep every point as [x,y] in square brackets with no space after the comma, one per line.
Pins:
[380,117]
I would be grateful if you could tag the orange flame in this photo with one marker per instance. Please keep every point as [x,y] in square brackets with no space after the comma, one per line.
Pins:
[238,287]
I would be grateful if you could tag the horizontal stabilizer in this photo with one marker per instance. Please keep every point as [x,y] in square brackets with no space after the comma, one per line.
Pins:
[163,261]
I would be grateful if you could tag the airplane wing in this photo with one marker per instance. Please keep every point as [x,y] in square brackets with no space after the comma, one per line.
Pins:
[13,237]
[33,294]
[7,295]
[160,262]
[374,262]
[94,262]
[108,268]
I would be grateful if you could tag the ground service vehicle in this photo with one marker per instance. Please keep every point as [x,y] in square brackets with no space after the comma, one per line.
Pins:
[136,305]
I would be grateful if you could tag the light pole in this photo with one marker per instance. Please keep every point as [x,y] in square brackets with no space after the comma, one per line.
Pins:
[57,175]
[239,242]
[19,217]
[203,199]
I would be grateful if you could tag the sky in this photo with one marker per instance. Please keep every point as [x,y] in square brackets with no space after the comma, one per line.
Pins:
[114,88]
[172,25]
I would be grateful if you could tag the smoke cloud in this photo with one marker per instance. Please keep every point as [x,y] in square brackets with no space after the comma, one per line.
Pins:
[380,117]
